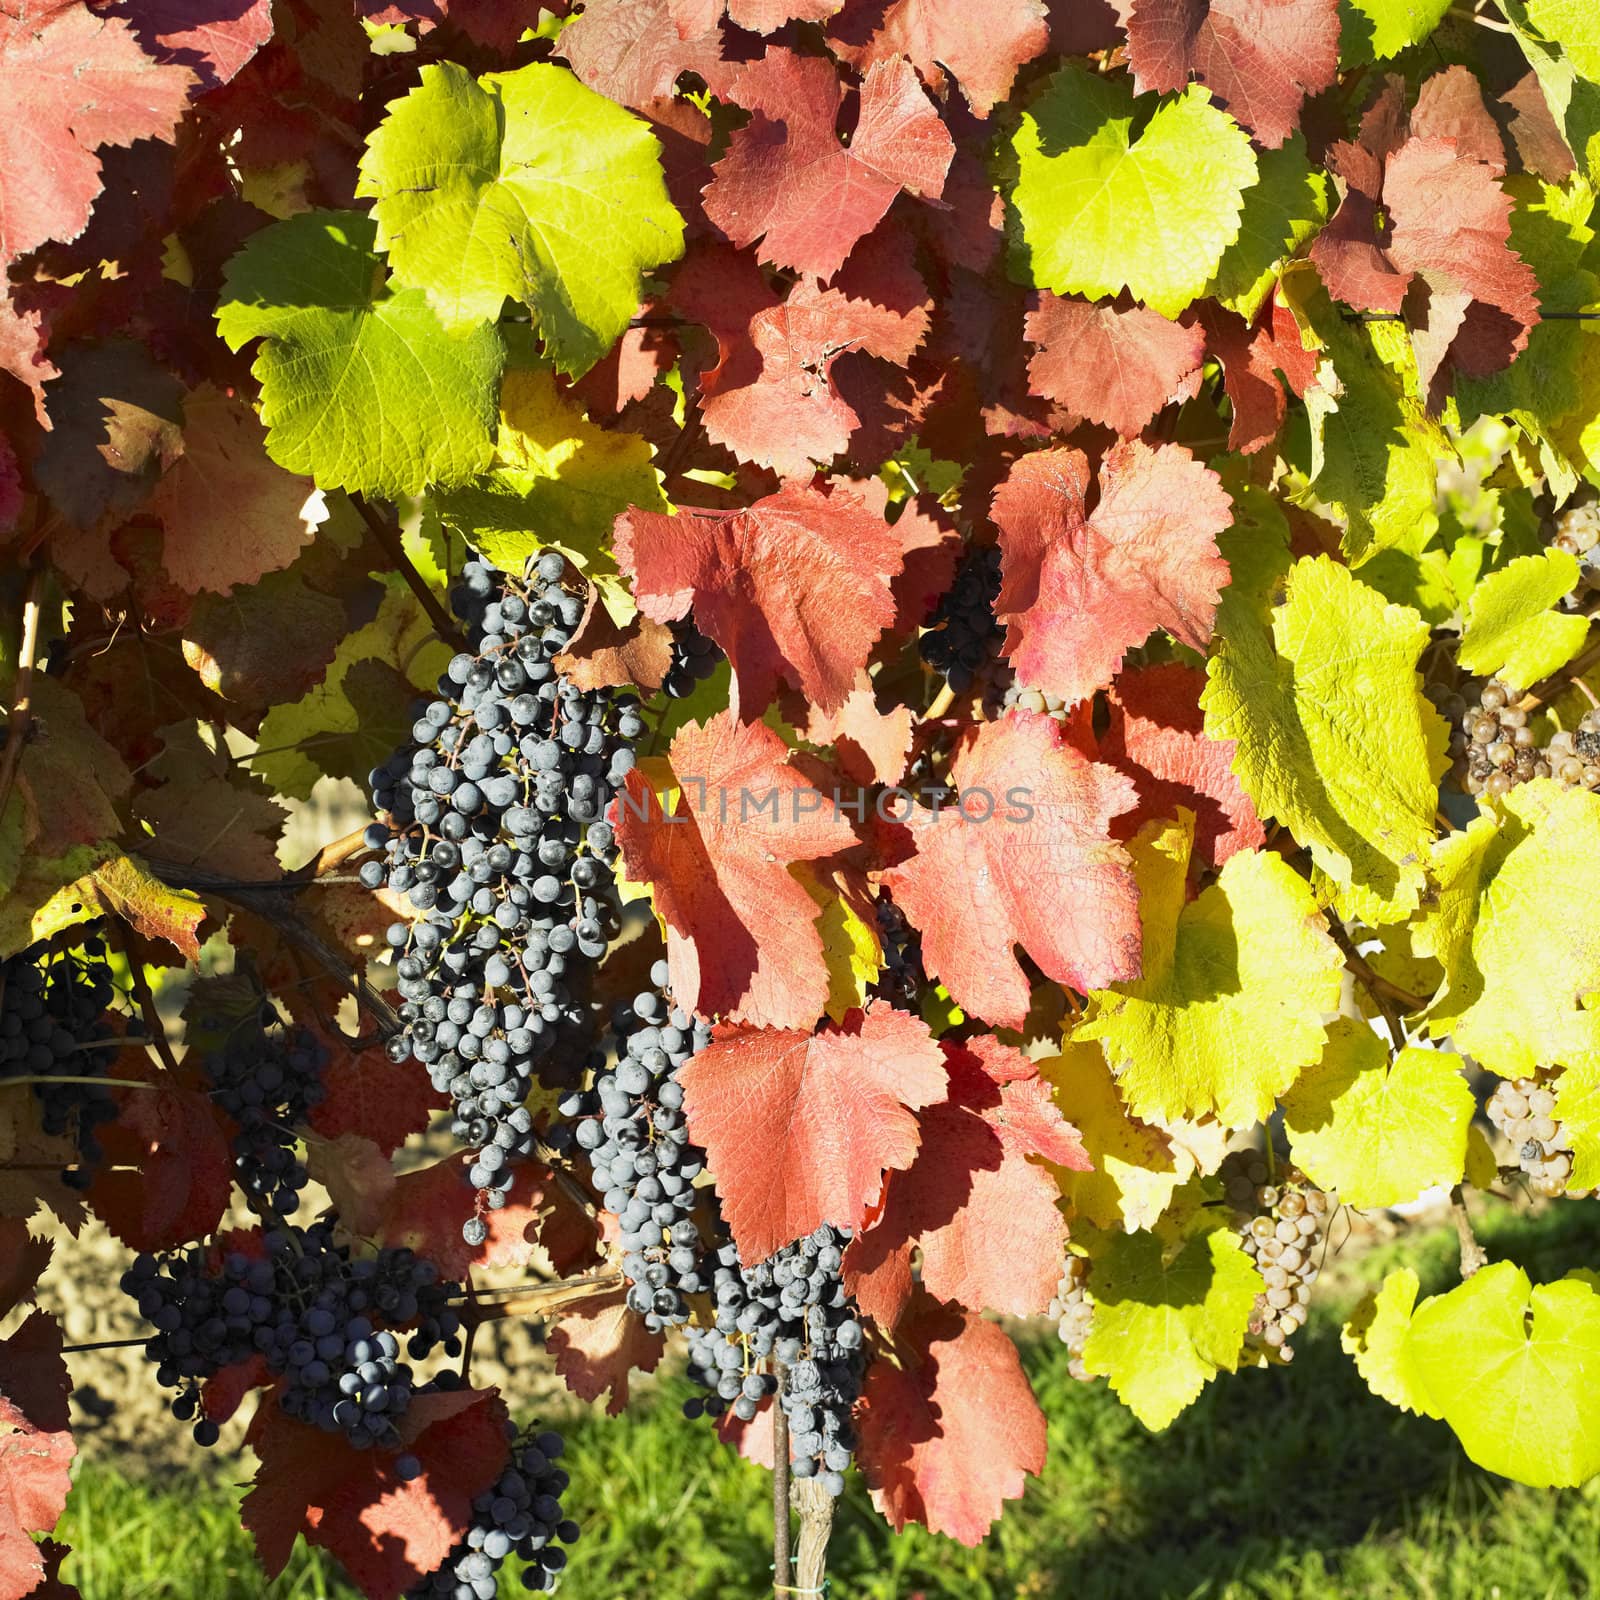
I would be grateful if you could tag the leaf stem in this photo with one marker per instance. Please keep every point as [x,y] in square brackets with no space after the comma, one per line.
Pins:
[388,538]
[1473,1255]
[22,695]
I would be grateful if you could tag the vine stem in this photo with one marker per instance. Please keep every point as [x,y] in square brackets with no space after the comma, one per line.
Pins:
[1473,1255]
[816,1525]
[389,539]
[50,1077]
[1378,988]
[782,1564]
[333,855]
[547,1297]
[22,696]
[141,989]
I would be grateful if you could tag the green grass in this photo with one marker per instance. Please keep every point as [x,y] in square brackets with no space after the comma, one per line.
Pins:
[1292,1484]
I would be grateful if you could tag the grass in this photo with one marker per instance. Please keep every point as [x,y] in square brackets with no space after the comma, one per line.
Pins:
[1291,1484]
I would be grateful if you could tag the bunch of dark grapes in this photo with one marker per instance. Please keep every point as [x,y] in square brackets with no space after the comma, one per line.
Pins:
[1282,1224]
[519,1513]
[324,1321]
[790,1309]
[962,637]
[694,659]
[494,829]
[902,978]
[1072,1311]
[52,1006]
[631,1126]
[268,1077]
[1577,531]
[1524,1110]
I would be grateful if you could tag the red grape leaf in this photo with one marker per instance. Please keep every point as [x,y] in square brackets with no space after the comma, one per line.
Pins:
[1255,367]
[629,51]
[169,1170]
[1041,872]
[981,47]
[753,1440]
[36,1449]
[1450,106]
[1157,736]
[223,478]
[758,16]
[597,1343]
[227,825]
[1260,58]
[799,1126]
[357,1175]
[603,656]
[1079,589]
[22,1259]
[1532,127]
[224,1391]
[1115,363]
[382,1100]
[932,546]
[386,1533]
[871,746]
[742,937]
[23,337]
[10,486]
[788,181]
[948,1437]
[971,1183]
[1416,208]
[71,81]
[215,37]
[793,587]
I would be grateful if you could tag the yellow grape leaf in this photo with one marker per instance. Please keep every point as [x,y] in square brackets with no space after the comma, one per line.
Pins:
[557,482]
[1514,924]
[1376,1336]
[1134,1169]
[1234,990]
[1483,1171]
[850,945]
[1379,1132]
[1170,1313]
[1512,631]
[1514,1369]
[1578,1112]
[1334,737]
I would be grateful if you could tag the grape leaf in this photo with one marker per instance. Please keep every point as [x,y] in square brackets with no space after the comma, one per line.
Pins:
[974,1178]
[229,826]
[1375,1336]
[387,1534]
[1342,749]
[1512,630]
[800,1126]
[1156,734]
[362,388]
[1079,588]
[951,1434]
[945,39]
[525,184]
[217,38]
[73,80]
[367,1093]
[1169,1313]
[1514,1369]
[742,937]
[977,887]
[1135,1167]
[22,1259]
[795,587]
[1252,363]
[1261,58]
[1281,211]
[1099,210]
[1115,364]
[1377,29]
[1521,956]
[36,1448]
[1379,1132]
[556,482]
[1235,984]
[787,181]
[597,1343]
[224,474]
[631,51]
[10,486]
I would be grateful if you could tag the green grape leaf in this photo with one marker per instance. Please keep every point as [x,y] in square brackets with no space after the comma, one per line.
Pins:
[361,388]
[322,732]
[1511,630]
[1375,451]
[525,184]
[1574,25]
[1513,922]
[1335,739]
[1099,209]
[1133,1167]
[1234,989]
[1514,1369]
[1379,1132]
[1168,1315]
[1281,211]
[1374,30]
[1376,1336]
[557,482]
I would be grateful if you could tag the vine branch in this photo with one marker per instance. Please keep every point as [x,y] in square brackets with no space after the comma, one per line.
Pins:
[389,539]
[816,1525]
[22,695]
[546,1298]
[1473,1255]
